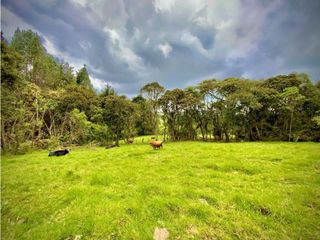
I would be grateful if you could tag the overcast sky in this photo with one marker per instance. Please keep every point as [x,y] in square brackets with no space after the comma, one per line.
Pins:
[128,43]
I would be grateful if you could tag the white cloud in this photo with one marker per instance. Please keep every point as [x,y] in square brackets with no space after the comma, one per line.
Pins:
[121,50]
[82,3]
[193,42]
[166,49]
[110,12]
[114,36]
[51,49]
[235,27]
[247,75]
[163,5]
[129,43]
[10,22]
[98,83]
[85,45]
[136,34]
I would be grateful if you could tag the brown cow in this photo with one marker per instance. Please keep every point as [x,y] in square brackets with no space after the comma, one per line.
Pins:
[156,144]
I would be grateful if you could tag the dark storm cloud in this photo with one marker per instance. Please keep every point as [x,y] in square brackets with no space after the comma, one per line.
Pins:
[289,42]
[176,42]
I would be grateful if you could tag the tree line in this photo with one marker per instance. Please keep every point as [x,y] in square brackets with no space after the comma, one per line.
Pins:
[46,103]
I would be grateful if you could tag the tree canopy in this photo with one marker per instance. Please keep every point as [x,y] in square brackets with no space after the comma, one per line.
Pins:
[46,103]
[83,78]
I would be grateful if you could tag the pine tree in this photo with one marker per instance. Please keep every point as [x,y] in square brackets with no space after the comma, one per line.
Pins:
[83,78]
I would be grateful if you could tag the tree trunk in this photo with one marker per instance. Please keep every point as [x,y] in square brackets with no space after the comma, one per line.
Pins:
[3,144]
[164,133]
[226,135]
[202,133]
[155,119]
[117,140]
[258,133]
[290,126]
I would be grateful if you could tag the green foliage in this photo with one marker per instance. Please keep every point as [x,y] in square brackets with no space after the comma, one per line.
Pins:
[83,78]
[79,126]
[119,114]
[316,120]
[47,72]
[38,95]
[99,133]
[19,115]
[66,75]
[80,97]
[27,43]
[144,122]
[290,97]
[290,100]
[153,92]
[43,100]
[108,91]
[10,64]
[180,112]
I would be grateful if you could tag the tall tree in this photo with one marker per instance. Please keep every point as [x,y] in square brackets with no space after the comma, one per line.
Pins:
[172,106]
[11,64]
[291,98]
[28,45]
[144,123]
[80,97]
[119,114]
[152,92]
[107,91]
[83,78]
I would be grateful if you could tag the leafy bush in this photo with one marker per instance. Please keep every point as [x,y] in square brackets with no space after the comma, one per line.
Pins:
[24,147]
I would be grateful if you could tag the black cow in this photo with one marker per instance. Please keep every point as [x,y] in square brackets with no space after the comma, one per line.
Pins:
[59,152]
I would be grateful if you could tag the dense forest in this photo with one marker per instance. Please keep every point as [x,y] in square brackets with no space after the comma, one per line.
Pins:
[46,103]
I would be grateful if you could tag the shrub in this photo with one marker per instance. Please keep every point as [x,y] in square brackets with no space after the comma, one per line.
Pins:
[24,148]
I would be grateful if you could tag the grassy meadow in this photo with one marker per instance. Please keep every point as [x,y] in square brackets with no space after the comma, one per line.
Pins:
[196,190]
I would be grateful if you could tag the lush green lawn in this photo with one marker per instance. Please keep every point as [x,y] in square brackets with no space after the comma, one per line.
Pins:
[196,190]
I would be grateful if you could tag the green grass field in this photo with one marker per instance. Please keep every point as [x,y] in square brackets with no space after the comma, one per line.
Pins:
[196,190]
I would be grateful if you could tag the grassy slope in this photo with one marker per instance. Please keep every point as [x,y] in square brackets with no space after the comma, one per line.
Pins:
[194,189]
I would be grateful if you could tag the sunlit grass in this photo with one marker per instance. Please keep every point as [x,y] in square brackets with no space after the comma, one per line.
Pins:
[194,189]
